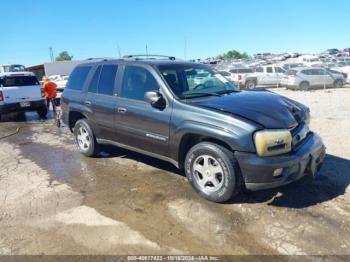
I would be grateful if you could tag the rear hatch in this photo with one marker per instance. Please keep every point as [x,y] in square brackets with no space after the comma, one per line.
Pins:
[19,88]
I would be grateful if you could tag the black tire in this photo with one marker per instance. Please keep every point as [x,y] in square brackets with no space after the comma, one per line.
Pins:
[250,84]
[338,83]
[42,112]
[304,86]
[92,148]
[231,181]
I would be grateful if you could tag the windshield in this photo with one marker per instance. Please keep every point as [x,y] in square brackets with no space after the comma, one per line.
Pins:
[14,68]
[195,81]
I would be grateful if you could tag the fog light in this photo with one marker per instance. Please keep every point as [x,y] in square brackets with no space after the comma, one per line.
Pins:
[277,172]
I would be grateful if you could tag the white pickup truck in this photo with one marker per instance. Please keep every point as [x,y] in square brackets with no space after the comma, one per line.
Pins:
[21,92]
[264,76]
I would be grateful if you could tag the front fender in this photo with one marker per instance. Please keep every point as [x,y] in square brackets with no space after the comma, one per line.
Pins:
[238,138]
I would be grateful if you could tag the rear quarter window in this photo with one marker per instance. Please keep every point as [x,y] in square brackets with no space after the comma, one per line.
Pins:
[9,81]
[78,77]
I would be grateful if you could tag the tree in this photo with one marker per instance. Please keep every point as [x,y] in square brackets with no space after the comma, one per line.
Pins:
[64,56]
[233,54]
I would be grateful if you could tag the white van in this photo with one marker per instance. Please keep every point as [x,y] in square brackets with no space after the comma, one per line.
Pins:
[21,92]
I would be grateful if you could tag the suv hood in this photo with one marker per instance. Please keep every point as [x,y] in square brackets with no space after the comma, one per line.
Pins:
[263,107]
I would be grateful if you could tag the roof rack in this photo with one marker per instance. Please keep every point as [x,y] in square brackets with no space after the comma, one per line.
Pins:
[99,58]
[149,57]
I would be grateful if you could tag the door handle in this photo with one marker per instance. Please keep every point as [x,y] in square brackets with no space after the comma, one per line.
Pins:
[88,103]
[121,110]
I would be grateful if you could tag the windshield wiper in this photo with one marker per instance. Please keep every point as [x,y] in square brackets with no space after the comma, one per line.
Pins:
[227,91]
[194,95]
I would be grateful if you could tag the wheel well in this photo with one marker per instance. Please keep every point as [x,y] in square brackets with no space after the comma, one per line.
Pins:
[74,116]
[189,140]
[304,81]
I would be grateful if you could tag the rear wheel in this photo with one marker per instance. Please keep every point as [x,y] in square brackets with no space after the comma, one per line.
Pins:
[304,86]
[338,84]
[42,112]
[85,138]
[212,171]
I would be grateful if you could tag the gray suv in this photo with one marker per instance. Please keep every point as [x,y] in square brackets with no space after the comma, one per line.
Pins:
[189,115]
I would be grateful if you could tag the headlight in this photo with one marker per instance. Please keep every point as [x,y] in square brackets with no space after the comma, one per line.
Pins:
[273,142]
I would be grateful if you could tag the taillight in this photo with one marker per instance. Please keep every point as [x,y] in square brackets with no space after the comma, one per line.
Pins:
[239,77]
[1,97]
[42,92]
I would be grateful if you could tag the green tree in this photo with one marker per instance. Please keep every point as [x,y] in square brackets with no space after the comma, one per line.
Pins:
[233,54]
[64,56]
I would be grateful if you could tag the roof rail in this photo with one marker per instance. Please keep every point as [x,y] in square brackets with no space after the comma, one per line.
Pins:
[99,58]
[144,57]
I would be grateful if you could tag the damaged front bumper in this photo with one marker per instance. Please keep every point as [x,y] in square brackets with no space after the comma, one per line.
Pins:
[260,172]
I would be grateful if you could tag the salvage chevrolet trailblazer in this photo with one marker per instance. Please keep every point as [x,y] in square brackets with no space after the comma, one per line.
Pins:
[191,116]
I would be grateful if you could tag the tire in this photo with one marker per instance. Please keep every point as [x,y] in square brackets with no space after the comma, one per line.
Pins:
[85,138]
[304,86]
[42,112]
[250,84]
[206,162]
[338,83]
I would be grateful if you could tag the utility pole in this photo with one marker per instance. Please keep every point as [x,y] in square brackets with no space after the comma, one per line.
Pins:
[146,50]
[51,54]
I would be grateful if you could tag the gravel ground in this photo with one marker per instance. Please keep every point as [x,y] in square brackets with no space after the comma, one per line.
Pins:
[54,201]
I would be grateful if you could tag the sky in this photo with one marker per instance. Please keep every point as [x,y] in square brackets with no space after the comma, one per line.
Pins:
[182,28]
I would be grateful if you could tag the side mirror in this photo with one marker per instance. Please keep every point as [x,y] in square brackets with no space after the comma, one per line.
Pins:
[155,99]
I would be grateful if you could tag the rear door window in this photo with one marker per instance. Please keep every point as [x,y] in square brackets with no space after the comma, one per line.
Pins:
[94,83]
[307,72]
[107,80]
[9,81]
[78,77]
[269,70]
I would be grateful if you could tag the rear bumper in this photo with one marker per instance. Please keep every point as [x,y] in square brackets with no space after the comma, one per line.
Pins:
[258,171]
[16,107]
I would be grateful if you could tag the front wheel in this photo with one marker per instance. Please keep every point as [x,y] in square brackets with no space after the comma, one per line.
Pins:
[212,171]
[85,138]
[250,84]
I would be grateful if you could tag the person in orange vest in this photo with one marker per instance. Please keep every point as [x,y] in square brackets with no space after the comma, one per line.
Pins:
[50,91]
